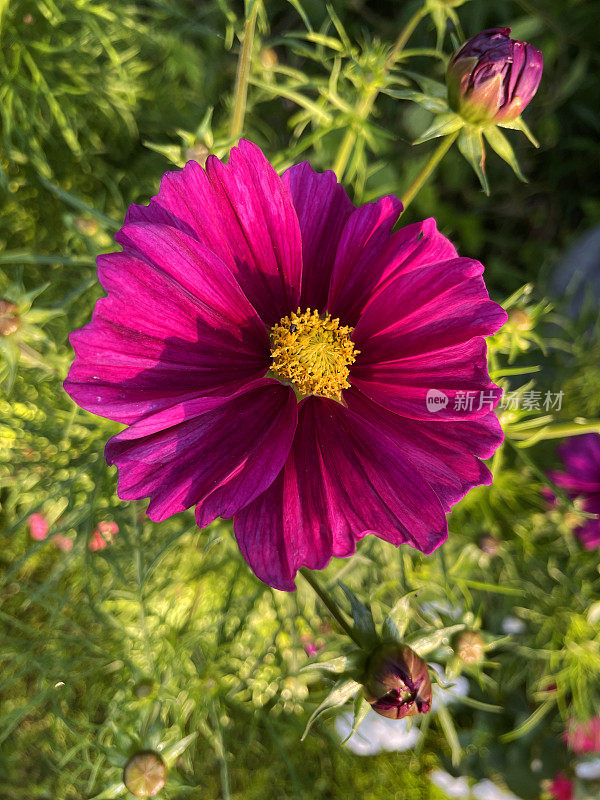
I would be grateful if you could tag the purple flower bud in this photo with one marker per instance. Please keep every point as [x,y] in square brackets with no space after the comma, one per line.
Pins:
[397,682]
[493,77]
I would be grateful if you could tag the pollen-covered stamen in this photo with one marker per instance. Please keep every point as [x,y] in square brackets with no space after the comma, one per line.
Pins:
[313,352]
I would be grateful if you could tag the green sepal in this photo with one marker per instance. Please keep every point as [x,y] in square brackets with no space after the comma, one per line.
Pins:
[422,645]
[470,144]
[343,690]
[503,147]
[428,85]
[364,626]
[395,624]
[518,124]
[336,665]
[361,709]
[442,125]
[171,753]
[449,730]
[436,105]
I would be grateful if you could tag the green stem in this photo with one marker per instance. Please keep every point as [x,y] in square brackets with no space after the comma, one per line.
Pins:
[329,603]
[236,124]
[428,169]
[365,104]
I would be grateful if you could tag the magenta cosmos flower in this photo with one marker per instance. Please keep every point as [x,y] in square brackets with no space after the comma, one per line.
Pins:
[271,347]
[492,78]
[581,478]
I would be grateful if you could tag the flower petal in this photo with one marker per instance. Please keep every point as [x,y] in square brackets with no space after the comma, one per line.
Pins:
[356,282]
[364,239]
[445,454]
[342,480]
[243,213]
[458,375]
[323,208]
[179,324]
[219,453]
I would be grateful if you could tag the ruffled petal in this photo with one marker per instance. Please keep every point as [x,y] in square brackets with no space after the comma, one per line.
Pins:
[342,480]
[446,454]
[219,453]
[175,321]
[359,276]
[323,208]
[244,213]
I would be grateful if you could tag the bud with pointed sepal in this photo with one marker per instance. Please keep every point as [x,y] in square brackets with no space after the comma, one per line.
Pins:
[492,78]
[397,682]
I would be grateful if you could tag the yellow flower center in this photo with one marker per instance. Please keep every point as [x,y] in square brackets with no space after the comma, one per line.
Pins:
[312,352]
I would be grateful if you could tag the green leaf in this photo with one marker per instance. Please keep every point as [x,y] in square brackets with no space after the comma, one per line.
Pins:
[361,709]
[442,125]
[470,144]
[363,619]
[518,124]
[114,790]
[342,691]
[503,147]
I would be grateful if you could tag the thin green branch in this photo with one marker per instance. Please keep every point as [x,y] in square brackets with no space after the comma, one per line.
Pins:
[240,94]
[365,104]
[428,169]
[329,603]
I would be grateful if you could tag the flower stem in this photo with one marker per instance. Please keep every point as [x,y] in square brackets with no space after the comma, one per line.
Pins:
[428,169]
[365,104]
[238,112]
[329,603]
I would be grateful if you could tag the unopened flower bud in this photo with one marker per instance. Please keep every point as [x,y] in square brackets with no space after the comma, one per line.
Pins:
[489,545]
[469,647]
[493,77]
[268,58]
[9,319]
[397,682]
[145,774]
[519,319]
[89,227]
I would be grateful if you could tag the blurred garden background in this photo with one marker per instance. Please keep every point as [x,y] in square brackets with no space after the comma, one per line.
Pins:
[119,635]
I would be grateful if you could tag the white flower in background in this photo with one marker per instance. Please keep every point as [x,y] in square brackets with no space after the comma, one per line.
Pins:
[376,734]
[513,625]
[588,770]
[487,790]
[459,687]
[434,608]
[452,787]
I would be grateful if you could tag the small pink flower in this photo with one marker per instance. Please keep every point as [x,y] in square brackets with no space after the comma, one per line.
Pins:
[581,479]
[311,647]
[583,737]
[38,527]
[561,787]
[63,542]
[104,534]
